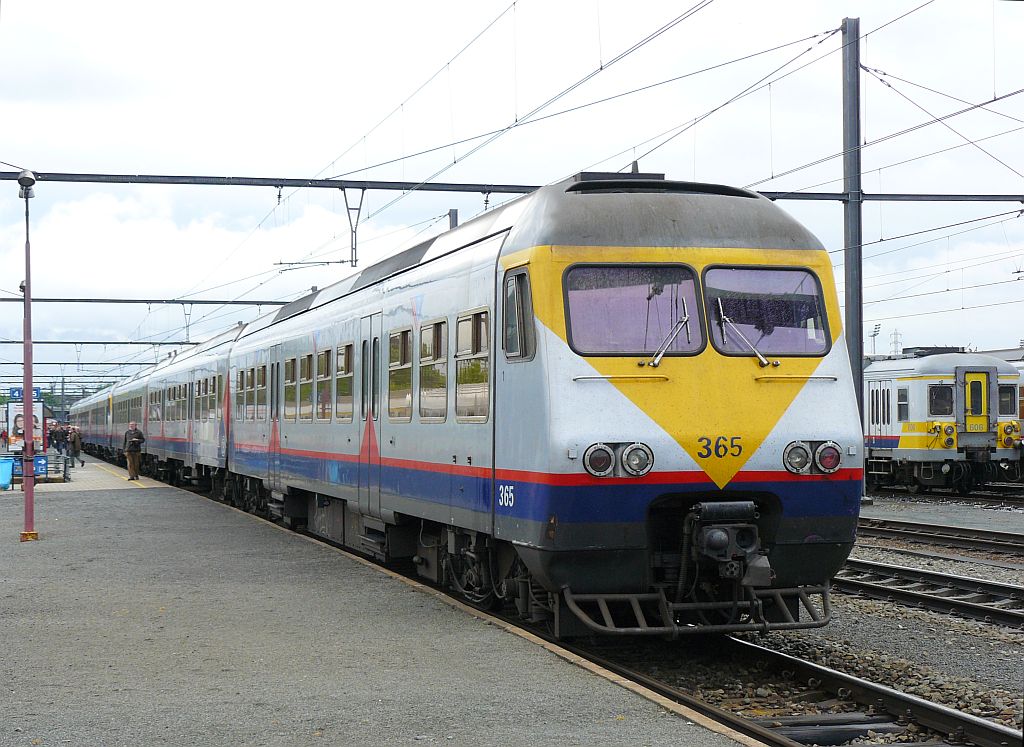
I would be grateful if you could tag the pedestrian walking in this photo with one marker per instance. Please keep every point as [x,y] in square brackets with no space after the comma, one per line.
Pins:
[133,440]
[75,446]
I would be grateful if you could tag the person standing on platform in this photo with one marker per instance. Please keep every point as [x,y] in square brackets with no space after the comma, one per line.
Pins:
[75,446]
[133,440]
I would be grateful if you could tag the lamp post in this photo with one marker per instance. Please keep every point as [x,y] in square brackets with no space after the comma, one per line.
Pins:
[26,180]
[874,336]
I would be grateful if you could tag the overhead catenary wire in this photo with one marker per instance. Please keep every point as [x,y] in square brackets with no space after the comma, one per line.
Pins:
[945,124]
[561,94]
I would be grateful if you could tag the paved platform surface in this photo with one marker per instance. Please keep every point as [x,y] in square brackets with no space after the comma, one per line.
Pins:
[937,511]
[147,615]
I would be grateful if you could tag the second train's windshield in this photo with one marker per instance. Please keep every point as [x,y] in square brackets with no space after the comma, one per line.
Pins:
[633,309]
[777,311]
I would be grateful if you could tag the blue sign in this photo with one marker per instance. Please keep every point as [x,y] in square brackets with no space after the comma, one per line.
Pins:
[39,464]
[18,393]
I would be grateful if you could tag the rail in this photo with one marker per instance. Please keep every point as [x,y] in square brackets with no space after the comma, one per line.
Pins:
[975,539]
[975,598]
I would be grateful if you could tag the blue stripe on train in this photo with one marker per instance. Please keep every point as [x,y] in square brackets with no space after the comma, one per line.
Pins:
[575,504]
[882,442]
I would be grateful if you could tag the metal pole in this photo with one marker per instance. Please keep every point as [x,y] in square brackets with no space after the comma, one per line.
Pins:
[852,205]
[27,400]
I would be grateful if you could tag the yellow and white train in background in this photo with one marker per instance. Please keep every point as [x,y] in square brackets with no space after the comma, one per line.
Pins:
[950,420]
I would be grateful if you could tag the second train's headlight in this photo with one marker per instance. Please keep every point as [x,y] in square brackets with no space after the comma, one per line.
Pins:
[828,457]
[599,460]
[637,459]
[797,457]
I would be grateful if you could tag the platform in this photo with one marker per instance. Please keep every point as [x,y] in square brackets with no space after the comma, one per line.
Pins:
[149,615]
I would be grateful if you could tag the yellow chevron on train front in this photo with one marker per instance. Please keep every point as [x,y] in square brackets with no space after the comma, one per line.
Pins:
[733,395]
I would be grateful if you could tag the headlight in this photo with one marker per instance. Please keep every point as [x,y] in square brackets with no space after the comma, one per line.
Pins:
[948,430]
[599,460]
[637,459]
[828,457]
[948,442]
[797,457]
[1007,428]
[1008,442]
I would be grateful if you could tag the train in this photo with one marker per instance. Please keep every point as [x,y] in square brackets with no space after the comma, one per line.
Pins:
[946,421]
[617,405]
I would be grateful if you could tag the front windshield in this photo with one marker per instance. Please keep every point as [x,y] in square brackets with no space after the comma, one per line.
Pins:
[633,309]
[778,311]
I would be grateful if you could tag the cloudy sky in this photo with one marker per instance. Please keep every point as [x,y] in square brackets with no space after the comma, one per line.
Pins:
[414,91]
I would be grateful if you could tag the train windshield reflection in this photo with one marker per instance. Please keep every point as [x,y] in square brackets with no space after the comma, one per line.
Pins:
[778,311]
[633,309]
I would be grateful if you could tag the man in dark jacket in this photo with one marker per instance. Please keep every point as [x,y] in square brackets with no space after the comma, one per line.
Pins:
[133,440]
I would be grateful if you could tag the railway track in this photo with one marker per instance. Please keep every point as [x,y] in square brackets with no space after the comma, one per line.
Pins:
[937,534]
[1003,495]
[975,598]
[850,706]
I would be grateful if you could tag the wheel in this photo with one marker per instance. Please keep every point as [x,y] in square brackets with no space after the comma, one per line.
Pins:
[963,487]
[916,487]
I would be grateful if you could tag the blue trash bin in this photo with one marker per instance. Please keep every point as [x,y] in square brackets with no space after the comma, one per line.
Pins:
[6,472]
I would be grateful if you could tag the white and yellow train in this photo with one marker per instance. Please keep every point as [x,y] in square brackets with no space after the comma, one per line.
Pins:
[941,421]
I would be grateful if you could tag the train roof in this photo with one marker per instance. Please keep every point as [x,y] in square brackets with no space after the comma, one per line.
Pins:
[594,209]
[943,363]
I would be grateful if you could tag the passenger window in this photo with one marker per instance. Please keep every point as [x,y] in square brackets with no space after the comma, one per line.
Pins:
[472,367]
[902,404]
[400,375]
[940,400]
[1007,399]
[323,385]
[434,372]
[306,387]
[343,385]
[291,389]
[220,396]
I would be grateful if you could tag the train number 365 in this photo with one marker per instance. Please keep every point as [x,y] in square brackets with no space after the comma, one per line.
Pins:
[719,447]
[506,496]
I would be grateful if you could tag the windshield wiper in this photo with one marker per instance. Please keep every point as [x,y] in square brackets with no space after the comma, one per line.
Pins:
[684,322]
[723,320]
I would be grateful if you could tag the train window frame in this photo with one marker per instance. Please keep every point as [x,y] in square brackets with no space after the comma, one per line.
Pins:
[291,390]
[220,396]
[250,394]
[518,280]
[344,370]
[696,314]
[305,403]
[933,389]
[1009,391]
[400,368]
[975,396]
[826,328]
[261,393]
[434,357]
[479,349]
[323,406]
[902,404]
[238,376]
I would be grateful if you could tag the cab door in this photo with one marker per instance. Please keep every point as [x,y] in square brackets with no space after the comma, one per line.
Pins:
[974,394]
[369,414]
[976,402]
